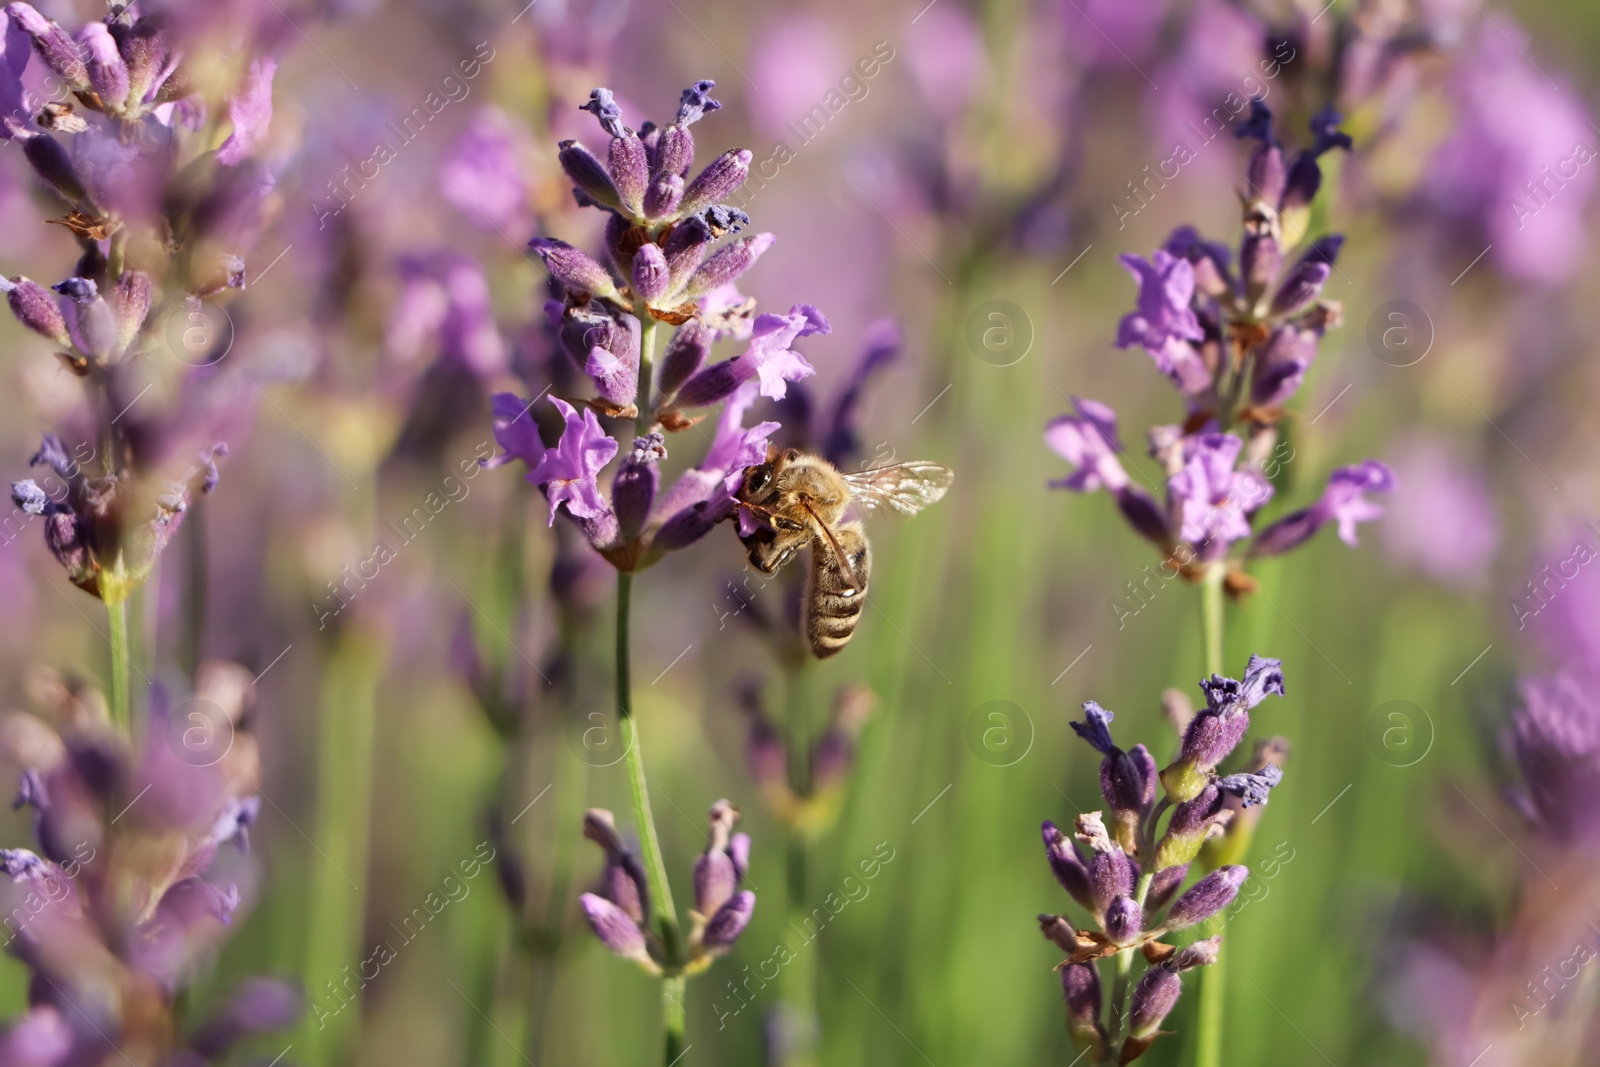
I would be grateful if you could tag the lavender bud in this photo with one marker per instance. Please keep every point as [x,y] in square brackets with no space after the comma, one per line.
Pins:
[629,166]
[1123,918]
[1058,930]
[1068,866]
[51,162]
[766,757]
[573,268]
[728,264]
[686,353]
[685,249]
[674,152]
[1164,886]
[36,309]
[1305,179]
[622,238]
[593,181]
[142,52]
[614,368]
[1153,1000]
[718,181]
[1304,284]
[54,45]
[664,196]
[1260,260]
[715,882]
[712,385]
[634,489]
[1146,516]
[130,304]
[1112,872]
[1080,986]
[1216,731]
[615,929]
[1266,174]
[1200,954]
[651,281]
[1207,897]
[108,75]
[1186,832]
[728,923]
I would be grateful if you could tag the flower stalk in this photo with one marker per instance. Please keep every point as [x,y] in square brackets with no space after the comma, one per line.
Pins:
[639,792]
[117,618]
[1213,979]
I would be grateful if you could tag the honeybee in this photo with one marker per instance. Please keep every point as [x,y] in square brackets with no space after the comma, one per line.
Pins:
[803,499]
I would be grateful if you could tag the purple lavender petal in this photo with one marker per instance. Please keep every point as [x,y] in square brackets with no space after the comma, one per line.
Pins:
[1089,442]
[568,471]
[250,111]
[108,74]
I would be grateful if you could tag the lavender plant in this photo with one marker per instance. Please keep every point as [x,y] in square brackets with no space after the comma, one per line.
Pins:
[664,264]
[139,872]
[1127,874]
[1236,340]
[161,206]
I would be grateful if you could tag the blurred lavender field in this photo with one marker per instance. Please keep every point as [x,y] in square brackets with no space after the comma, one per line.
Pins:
[398,404]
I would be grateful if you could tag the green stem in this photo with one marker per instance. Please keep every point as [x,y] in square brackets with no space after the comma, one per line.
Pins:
[1211,616]
[647,355]
[346,728]
[666,915]
[117,613]
[672,1014]
[800,976]
[1213,979]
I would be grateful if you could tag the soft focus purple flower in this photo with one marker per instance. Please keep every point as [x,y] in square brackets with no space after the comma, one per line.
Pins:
[515,431]
[1214,499]
[1164,315]
[769,356]
[799,56]
[1343,502]
[15,48]
[1445,524]
[841,439]
[568,472]
[1516,166]
[946,53]
[1089,442]
[445,301]
[250,111]
[484,175]
[1555,738]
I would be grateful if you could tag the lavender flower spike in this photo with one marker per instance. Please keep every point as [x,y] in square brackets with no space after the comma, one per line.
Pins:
[722,910]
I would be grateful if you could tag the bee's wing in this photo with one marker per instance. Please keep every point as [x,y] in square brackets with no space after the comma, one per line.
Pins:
[905,487]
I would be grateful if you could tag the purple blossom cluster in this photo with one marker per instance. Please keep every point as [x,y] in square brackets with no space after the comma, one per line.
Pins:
[618,911]
[665,263]
[161,221]
[1127,873]
[138,872]
[1235,338]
